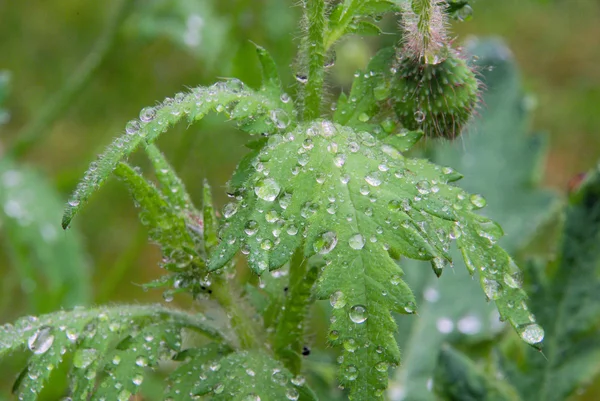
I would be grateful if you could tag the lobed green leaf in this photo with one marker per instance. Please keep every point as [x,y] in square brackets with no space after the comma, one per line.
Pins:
[100,340]
[359,204]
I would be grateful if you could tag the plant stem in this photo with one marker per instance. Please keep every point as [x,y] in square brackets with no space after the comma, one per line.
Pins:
[61,100]
[244,327]
[315,56]
[289,337]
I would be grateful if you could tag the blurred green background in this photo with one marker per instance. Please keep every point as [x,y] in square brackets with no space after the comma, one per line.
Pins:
[164,46]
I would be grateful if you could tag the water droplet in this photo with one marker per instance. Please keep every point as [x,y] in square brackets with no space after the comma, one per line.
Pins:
[382,367]
[373,179]
[339,160]
[337,300]
[229,210]
[357,241]
[137,380]
[280,118]
[218,388]
[279,377]
[141,361]
[41,340]
[251,227]
[267,189]
[325,243]
[491,288]
[351,372]
[292,394]
[363,117]
[147,114]
[478,201]
[285,98]
[251,397]
[424,187]
[358,314]
[303,79]
[419,116]
[84,357]
[532,334]
[292,230]
[132,127]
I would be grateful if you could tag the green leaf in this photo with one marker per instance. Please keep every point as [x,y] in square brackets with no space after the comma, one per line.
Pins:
[358,202]
[53,266]
[244,375]
[499,159]
[457,378]
[120,341]
[564,299]
[172,228]
[250,109]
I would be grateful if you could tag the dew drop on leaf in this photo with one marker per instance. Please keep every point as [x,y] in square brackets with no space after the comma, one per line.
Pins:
[419,116]
[382,367]
[132,127]
[292,394]
[251,228]
[351,372]
[325,243]
[267,189]
[337,300]
[147,114]
[357,241]
[229,210]
[137,380]
[532,333]
[491,288]
[218,388]
[84,357]
[141,361]
[478,201]
[279,377]
[41,340]
[358,314]
[373,179]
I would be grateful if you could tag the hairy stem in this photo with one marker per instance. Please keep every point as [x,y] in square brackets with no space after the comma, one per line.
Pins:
[289,337]
[241,322]
[315,56]
[425,29]
[60,101]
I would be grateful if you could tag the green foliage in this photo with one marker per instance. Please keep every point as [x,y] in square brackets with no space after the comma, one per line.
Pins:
[52,267]
[332,206]
[112,348]
[563,299]
[496,140]
[459,379]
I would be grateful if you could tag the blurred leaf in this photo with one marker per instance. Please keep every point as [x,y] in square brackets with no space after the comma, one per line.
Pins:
[52,266]
[195,26]
[498,158]
[4,91]
[564,298]
[457,378]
